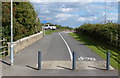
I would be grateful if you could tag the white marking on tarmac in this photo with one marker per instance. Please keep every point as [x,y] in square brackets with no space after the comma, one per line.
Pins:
[87,58]
[81,58]
[71,57]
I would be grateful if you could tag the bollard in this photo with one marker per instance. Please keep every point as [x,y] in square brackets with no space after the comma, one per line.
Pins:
[108,61]
[39,60]
[74,61]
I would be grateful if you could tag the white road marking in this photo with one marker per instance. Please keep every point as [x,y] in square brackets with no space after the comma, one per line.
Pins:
[87,58]
[71,57]
[94,58]
[81,58]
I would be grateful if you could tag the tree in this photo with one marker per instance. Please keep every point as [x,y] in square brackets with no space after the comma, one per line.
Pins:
[25,20]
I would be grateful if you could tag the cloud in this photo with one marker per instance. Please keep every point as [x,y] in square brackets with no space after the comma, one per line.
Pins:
[48,18]
[67,9]
[74,0]
[76,13]
[112,17]
[61,19]
[82,19]
[63,16]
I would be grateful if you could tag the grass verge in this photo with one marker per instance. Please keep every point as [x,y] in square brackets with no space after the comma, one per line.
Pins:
[48,32]
[96,47]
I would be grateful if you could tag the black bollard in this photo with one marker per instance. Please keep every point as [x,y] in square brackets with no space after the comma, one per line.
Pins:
[39,60]
[108,61]
[74,61]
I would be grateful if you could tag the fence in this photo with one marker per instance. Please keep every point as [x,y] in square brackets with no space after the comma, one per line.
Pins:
[3,47]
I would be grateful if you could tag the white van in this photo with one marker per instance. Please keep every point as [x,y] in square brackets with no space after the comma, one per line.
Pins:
[48,26]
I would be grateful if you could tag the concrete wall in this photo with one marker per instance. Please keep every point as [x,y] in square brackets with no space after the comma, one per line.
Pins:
[24,42]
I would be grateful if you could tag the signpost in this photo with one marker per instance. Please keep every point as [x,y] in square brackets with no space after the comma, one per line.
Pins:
[44,22]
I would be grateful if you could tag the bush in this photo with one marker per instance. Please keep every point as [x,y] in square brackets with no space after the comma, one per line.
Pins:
[107,33]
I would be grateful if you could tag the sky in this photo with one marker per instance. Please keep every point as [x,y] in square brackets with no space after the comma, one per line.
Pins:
[74,14]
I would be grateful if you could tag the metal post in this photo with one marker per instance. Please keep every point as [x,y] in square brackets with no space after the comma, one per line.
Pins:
[108,61]
[74,61]
[39,60]
[44,32]
[44,18]
[11,46]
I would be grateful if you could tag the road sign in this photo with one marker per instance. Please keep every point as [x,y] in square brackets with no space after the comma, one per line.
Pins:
[44,21]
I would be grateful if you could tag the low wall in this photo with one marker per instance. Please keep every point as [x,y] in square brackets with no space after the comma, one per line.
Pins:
[24,42]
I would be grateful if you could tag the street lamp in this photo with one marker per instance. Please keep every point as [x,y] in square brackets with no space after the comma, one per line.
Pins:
[44,18]
[11,45]
[105,12]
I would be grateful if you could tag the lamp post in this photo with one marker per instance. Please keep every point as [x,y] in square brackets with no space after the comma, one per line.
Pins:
[44,18]
[11,45]
[105,12]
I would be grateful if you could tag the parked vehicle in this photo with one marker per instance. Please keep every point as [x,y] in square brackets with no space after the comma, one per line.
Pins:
[49,27]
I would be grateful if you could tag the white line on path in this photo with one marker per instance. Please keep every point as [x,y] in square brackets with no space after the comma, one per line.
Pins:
[87,58]
[71,57]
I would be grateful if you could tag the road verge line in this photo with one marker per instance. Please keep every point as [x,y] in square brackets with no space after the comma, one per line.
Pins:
[71,57]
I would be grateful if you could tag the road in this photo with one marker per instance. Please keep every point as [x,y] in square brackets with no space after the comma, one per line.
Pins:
[53,48]
[78,47]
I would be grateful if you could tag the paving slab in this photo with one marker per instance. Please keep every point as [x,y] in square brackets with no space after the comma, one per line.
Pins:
[80,65]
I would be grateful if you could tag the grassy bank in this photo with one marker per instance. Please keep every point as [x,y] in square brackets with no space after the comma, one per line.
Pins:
[98,48]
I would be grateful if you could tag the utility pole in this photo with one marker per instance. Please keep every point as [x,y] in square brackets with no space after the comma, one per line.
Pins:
[11,45]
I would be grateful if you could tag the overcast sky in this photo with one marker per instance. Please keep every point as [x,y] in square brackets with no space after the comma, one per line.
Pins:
[74,14]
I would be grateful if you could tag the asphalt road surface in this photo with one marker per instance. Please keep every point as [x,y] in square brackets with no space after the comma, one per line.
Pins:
[80,49]
[53,48]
